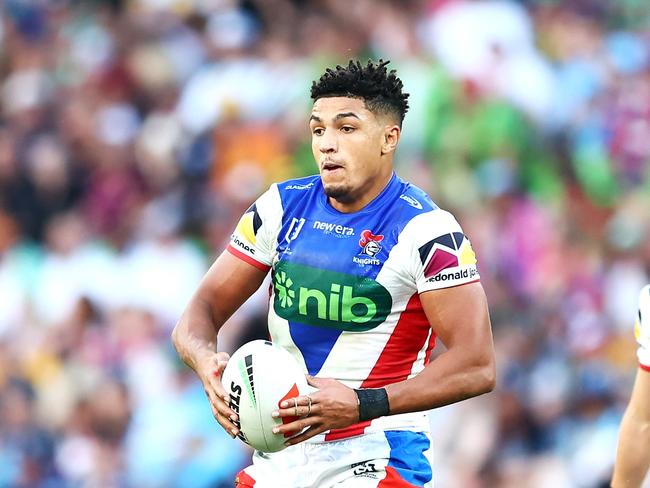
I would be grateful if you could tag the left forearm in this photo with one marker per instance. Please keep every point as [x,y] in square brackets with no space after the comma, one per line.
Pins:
[632,459]
[450,378]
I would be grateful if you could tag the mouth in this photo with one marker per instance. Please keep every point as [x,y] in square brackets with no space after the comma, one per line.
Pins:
[331,166]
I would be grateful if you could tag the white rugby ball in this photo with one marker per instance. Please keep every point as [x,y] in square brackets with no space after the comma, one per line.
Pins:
[258,376]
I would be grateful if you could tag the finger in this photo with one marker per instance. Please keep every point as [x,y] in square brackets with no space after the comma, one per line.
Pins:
[230,429]
[316,382]
[295,426]
[219,390]
[228,426]
[225,410]
[223,414]
[220,399]
[301,400]
[302,411]
[222,356]
[308,434]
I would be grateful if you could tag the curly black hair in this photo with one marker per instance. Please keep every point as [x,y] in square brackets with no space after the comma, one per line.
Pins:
[380,89]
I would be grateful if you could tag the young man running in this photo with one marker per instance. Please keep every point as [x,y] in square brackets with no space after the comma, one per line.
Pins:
[367,272]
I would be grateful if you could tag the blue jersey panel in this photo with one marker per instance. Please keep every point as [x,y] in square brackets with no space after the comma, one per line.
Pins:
[315,234]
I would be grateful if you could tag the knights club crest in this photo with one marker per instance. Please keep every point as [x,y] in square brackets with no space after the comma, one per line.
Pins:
[369,242]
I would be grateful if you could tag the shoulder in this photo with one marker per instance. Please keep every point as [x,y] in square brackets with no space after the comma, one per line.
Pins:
[421,218]
[413,200]
[424,217]
[284,191]
[297,189]
[299,185]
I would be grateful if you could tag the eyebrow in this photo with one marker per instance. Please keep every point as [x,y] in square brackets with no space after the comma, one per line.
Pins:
[345,115]
[338,116]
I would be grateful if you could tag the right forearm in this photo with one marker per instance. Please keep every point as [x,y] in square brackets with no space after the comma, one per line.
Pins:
[195,334]
[228,283]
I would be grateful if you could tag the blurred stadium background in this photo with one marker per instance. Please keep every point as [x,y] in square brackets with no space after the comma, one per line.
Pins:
[133,133]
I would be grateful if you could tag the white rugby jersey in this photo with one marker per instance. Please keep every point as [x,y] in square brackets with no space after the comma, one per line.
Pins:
[642,328]
[345,286]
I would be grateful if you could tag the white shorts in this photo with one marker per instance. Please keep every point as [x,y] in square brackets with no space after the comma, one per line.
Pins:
[391,459]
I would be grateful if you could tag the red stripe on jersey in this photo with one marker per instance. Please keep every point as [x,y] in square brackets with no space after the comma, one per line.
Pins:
[400,352]
[244,480]
[396,360]
[247,258]
[356,429]
[394,480]
[644,367]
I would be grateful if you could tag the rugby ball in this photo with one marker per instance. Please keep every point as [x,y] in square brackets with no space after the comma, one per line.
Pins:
[258,376]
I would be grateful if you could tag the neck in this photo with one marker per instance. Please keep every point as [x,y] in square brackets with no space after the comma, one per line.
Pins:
[367,195]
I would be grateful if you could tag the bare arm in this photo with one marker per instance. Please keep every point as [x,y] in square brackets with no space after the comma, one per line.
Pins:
[460,318]
[633,453]
[226,286]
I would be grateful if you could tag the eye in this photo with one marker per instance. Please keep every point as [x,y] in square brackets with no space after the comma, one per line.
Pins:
[347,129]
[318,131]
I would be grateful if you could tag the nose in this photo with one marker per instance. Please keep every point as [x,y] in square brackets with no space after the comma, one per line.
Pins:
[328,143]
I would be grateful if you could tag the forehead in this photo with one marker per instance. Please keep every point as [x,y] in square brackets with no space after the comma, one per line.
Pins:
[330,107]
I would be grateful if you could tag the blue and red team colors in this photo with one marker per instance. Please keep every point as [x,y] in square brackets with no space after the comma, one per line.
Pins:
[345,303]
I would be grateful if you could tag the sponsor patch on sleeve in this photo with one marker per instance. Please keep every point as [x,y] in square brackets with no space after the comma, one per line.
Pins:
[249,225]
[642,328]
[448,260]
[243,242]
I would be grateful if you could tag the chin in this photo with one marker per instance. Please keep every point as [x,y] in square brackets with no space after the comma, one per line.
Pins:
[338,193]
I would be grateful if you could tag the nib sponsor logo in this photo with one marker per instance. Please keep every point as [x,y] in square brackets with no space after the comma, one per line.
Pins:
[328,298]
[283,289]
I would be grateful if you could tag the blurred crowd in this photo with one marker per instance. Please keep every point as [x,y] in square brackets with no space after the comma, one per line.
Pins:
[133,134]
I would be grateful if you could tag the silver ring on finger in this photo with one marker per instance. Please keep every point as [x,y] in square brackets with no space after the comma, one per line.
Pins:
[308,406]
[295,407]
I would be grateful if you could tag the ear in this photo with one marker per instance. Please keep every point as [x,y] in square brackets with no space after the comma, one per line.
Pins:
[391,137]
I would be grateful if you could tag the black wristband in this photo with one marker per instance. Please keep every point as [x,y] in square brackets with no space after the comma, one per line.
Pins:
[373,403]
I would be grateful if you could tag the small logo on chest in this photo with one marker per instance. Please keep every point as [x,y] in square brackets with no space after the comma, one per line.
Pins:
[369,242]
[370,247]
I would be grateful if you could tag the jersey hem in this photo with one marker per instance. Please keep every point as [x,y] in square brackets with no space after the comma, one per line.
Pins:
[450,286]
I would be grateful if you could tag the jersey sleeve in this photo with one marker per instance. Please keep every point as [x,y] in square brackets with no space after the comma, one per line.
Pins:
[442,255]
[253,240]
[642,328]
